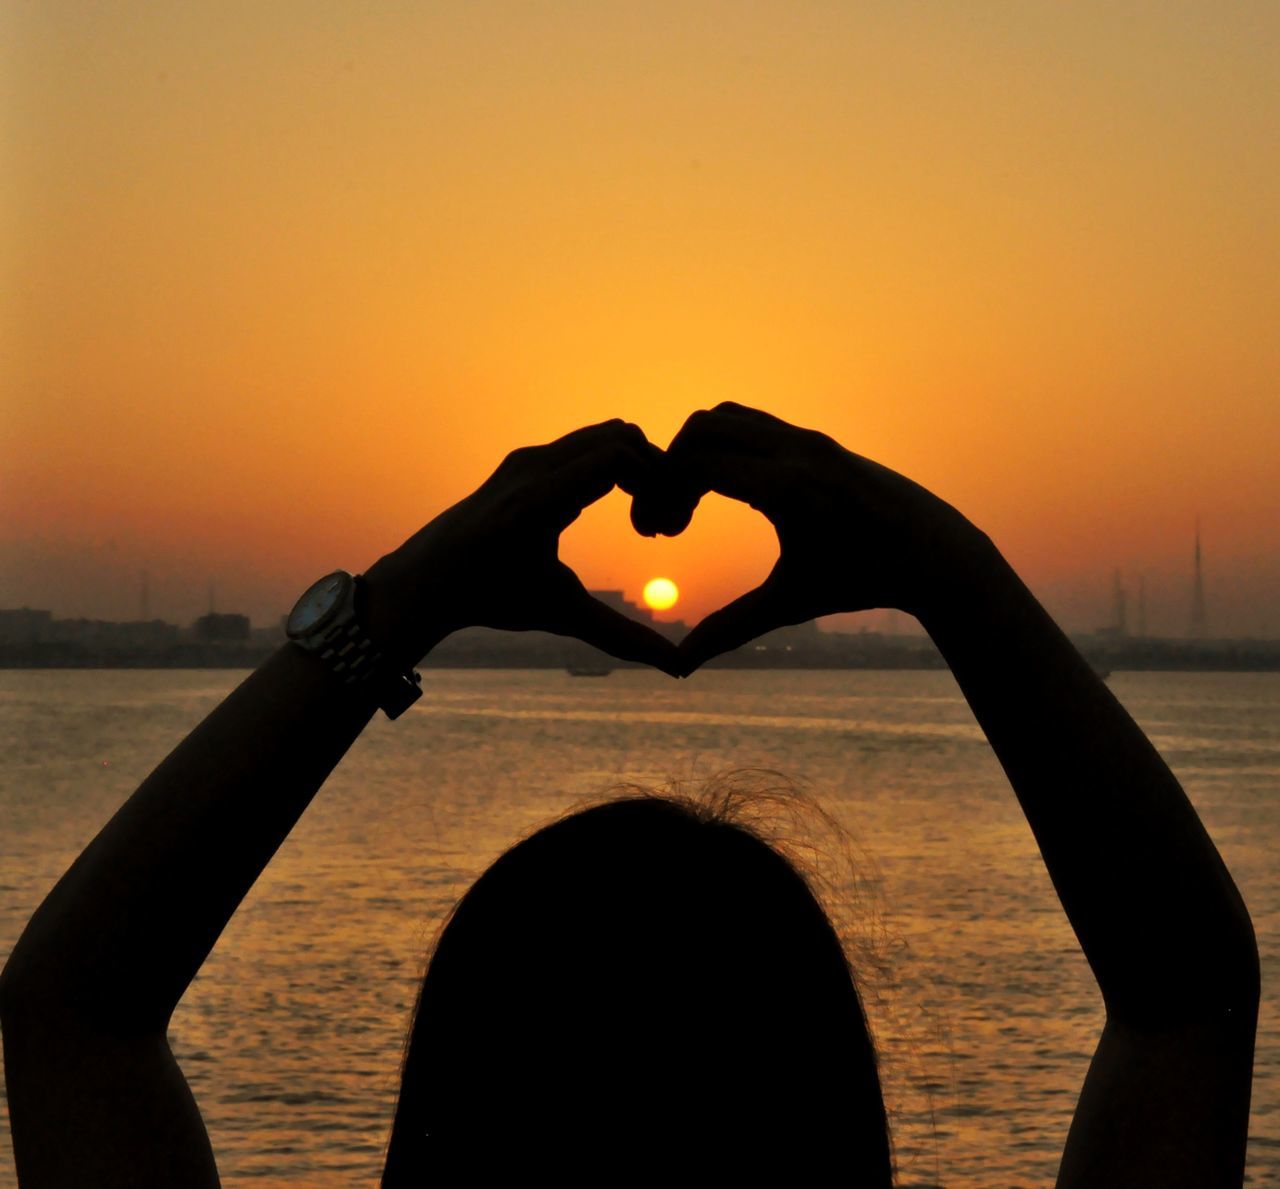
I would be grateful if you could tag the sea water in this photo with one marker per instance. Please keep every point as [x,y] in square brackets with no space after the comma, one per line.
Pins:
[984,1010]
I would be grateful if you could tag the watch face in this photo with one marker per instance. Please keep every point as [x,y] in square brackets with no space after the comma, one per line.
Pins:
[317,604]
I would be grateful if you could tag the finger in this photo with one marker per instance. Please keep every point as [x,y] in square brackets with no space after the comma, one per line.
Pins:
[730,450]
[733,426]
[666,502]
[573,443]
[609,630]
[751,615]
[616,444]
[586,465]
[748,417]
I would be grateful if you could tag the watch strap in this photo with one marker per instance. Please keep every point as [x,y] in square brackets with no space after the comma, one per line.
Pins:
[347,650]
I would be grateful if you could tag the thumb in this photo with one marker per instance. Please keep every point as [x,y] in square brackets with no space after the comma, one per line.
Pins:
[751,615]
[609,630]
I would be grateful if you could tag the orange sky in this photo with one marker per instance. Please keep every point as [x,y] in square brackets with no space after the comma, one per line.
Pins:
[286,279]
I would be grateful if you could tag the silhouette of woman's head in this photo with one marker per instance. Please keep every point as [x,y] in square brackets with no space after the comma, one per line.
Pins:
[641,983]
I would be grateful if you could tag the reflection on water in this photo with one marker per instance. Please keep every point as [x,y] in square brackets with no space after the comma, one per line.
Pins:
[985,1011]
[864,728]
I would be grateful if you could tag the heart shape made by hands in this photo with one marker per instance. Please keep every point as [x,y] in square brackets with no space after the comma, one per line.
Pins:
[667,510]
[721,529]
[810,489]
[852,535]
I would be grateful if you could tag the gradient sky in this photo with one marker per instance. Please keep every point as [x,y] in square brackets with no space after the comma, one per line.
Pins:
[284,280]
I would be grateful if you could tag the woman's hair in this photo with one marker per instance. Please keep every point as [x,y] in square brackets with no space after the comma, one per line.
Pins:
[644,987]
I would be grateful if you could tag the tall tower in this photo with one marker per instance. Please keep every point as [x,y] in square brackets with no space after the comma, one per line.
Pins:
[144,598]
[1120,615]
[1142,606]
[1199,620]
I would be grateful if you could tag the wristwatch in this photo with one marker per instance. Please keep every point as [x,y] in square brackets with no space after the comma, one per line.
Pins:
[327,622]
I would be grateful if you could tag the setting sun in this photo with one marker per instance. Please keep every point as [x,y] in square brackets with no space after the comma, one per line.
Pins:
[660,593]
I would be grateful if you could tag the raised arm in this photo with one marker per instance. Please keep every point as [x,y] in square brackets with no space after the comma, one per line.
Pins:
[95,1096]
[1166,1100]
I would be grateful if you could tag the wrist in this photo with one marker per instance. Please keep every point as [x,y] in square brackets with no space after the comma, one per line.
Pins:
[330,623]
[965,579]
[406,614]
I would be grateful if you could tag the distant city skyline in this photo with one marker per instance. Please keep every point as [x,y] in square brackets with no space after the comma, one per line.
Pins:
[285,280]
[107,582]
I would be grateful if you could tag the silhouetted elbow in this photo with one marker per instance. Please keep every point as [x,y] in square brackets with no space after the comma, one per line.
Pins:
[1166,983]
[1245,988]
[44,985]
[1231,980]
[22,995]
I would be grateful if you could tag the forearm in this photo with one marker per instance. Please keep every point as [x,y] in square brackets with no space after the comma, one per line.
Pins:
[1152,903]
[126,928]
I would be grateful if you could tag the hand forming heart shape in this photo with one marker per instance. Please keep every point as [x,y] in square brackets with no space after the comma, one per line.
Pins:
[778,470]
[851,534]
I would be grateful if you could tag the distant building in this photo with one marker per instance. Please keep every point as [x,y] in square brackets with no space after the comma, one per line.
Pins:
[619,602]
[1119,606]
[110,634]
[221,627]
[271,634]
[23,625]
[672,629]
[1199,627]
[26,626]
